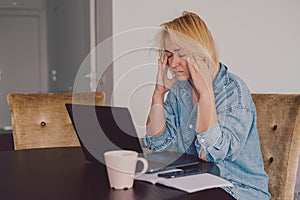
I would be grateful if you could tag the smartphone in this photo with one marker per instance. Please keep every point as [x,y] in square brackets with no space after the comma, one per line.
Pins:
[187,172]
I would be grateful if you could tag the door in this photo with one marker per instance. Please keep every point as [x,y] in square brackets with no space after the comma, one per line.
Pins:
[20,58]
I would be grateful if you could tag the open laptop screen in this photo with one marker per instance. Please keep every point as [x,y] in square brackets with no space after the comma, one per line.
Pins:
[103,128]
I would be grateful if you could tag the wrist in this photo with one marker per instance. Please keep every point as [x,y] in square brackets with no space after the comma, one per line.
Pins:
[158,97]
[207,96]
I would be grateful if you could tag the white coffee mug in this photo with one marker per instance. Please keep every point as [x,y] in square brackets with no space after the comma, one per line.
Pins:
[121,166]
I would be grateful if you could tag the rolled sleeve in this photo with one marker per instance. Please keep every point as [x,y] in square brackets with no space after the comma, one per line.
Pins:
[209,137]
[157,143]
[227,137]
[206,140]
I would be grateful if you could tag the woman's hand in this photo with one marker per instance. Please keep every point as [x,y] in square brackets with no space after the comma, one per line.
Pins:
[156,122]
[201,76]
[202,79]
[163,83]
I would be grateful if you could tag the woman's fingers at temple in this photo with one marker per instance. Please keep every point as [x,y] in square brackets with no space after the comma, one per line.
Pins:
[165,60]
[191,66]
[199,66]
[163,83]
[200,74]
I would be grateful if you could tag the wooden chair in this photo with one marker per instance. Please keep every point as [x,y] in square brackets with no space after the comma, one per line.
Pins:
[42,121]
[278,122]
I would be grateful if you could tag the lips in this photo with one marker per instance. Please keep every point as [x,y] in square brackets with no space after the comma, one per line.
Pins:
[179,72]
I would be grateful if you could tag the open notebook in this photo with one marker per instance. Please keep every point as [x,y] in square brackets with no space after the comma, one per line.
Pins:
[192,183]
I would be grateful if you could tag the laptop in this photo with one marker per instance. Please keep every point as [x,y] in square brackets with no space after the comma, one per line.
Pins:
[105,128]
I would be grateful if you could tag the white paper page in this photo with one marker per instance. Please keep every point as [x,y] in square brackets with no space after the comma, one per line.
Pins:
[196,182]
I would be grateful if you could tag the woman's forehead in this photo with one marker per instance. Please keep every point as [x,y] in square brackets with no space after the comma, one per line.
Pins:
[169,46]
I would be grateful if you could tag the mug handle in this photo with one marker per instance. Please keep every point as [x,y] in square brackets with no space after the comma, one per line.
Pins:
[145,163]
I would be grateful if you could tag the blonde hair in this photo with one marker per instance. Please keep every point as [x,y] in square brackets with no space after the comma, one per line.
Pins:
[190,33]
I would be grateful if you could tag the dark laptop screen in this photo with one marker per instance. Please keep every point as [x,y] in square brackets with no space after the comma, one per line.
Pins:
[103,128]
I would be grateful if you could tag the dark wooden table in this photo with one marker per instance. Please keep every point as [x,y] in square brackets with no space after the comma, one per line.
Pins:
[62,173]
[6,140]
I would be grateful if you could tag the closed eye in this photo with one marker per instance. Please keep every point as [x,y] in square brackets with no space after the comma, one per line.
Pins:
[169,54]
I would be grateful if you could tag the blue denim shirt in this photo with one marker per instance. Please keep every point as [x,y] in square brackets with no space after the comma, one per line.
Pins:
[233,143]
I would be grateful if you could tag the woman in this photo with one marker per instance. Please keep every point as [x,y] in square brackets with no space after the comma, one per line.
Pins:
[208,111]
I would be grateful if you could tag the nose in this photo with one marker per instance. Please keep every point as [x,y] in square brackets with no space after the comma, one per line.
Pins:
[173,61]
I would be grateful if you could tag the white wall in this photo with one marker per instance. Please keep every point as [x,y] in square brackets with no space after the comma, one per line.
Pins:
[256,39]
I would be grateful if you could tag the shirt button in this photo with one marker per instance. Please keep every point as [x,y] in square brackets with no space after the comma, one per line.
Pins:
[202,140]
[191,126]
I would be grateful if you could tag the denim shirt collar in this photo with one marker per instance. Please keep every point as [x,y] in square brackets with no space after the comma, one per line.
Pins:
[221,80]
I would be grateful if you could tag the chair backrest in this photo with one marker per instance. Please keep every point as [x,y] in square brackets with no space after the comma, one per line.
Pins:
[278,122]
[41,120]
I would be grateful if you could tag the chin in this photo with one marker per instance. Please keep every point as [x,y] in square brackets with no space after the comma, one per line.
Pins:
[181,78]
